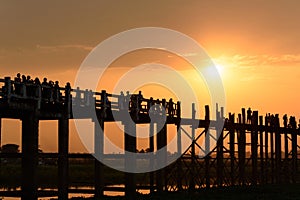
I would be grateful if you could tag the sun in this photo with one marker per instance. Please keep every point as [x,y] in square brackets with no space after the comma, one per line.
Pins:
[220,68]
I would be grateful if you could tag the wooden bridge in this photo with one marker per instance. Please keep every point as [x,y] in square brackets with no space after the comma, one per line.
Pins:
[272,156]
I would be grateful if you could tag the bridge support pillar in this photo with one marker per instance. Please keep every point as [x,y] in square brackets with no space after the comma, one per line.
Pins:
[0,136]
[220,146]
[30,126]
[277,151]
[232,148]
[254,141]
[151,147]
[267,164]
[130,159]
[193,153]
[242,147]
[207,147]
[261,152]
[179,149]
[98,145]
[162,158]
[63,163]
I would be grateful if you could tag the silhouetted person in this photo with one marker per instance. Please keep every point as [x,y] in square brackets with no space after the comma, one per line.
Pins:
[127,100]
[24,80]
[37,81]
[133,101]
[121,101]
[56,92]
[171,108]
[157,109]
[139,99]
[29,80]
[285,121]
[51,90]
[36,87]
[292,122]
[249,116]
[18,87]
[29,87]
[45,89]
[108,103]
[272,119]
[150,104]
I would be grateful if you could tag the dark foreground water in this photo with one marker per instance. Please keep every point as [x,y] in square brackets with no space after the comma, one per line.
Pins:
[272,192]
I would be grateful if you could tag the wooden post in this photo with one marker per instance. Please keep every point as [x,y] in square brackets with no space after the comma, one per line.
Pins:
[63,146]
[30,126]
[277,150]
[254,139]
[193,154]
[272,153]
[241,146]
[294,151]
[179,150]
[232,149]
[261,151]
[161,142]
[0,137]
[286,156]
[151,147]
[8,88]
[220,156]
[130,161]
[266,151]
[207,147]
[0,133]
[63,163]
[98,149]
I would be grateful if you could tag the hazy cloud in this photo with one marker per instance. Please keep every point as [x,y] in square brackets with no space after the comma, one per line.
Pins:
[63,47]
[250,61]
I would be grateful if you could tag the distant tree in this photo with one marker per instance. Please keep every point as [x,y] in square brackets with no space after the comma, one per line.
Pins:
[10,148]
[142,151]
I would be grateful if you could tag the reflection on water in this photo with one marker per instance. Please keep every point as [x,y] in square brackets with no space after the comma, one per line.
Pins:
[108,193]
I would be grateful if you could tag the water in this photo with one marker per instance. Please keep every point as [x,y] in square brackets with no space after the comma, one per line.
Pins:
[108,193]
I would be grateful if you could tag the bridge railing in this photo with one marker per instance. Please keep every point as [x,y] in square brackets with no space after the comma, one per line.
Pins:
[17,91]
[121,102]
[11,90]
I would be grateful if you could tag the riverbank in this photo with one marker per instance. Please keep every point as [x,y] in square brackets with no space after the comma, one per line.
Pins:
[266,192]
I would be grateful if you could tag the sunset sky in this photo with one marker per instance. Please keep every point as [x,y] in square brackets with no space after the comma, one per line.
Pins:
[255,44]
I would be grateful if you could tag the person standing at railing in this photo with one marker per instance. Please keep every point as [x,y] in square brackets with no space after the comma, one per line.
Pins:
[157,108]
[285,121]
[56,92]
[37,87]
[171,108]
[29,86]
[45,89]
[121,101]
[150,103]
[24,81]
[139,100]
[249,116]
[51,90]
[127,100]
[77,100]
[17,84]
[88,97]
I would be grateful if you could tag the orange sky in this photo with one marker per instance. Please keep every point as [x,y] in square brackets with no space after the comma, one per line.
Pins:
[255,44]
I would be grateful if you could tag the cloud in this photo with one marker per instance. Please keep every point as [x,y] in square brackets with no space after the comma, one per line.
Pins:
[63,47]
[259,60]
